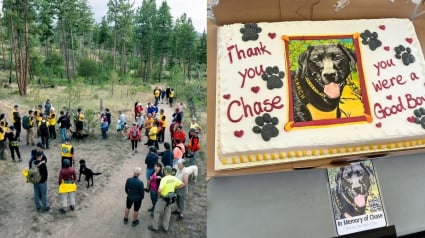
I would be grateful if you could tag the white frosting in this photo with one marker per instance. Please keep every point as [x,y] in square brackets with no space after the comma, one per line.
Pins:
[236,140]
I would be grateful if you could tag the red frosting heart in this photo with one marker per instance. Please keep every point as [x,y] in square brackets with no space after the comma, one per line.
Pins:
[409,40]
[382,27]
[226,96]
[378,125]
[255,89]
[272,35]
[389,97]
[238,133]
[387,48]
[411,119]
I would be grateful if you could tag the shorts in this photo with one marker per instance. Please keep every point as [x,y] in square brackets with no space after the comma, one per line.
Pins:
[137,204]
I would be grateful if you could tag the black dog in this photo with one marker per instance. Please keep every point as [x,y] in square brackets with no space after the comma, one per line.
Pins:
[88,173]
[320,78]
[352,189]
[77,136]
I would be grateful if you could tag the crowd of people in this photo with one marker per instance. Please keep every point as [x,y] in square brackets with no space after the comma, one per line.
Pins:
[167,178]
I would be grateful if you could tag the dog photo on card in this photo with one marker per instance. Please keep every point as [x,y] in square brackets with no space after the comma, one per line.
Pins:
[355,198]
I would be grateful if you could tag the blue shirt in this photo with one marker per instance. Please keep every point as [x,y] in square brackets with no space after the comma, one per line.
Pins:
[151,160]
[134,188]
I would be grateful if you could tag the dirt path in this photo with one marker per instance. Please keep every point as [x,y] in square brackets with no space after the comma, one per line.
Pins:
[99,209]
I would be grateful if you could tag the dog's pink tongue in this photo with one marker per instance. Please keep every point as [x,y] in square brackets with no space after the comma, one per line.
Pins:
[332,90]
[360,200]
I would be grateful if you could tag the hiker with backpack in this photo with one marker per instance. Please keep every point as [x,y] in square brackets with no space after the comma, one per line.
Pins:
[28,124]
[38,116]
[67,152]
[52,124]
[13,143]
[167,196]
[134,137]
[67,186]
[178,151]
[17,122]
[39,182]
[43,127]
[3,130]
[34,152]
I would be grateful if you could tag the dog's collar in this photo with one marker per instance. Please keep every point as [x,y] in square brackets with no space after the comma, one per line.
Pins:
[339,204]
[311,85]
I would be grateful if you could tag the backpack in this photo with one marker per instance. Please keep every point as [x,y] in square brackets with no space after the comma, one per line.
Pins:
[26,122]
[170,198]
[184,154]
[43,126]
[34,175]
[134,132]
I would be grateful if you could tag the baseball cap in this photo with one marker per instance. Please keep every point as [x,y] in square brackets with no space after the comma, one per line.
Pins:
[168,169]
[39,144]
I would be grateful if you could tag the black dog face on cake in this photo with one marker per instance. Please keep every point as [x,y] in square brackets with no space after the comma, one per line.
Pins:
[320,78]
[352,189]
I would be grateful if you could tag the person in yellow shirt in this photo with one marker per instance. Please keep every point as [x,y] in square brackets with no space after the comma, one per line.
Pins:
[67,152]
[162,119]
[171,97]
[194,125]
[148,125]
[52,124]
[79,125]
[152,137]
[157,95]
[17,122]
[167,187]
[3,130]
[38,116]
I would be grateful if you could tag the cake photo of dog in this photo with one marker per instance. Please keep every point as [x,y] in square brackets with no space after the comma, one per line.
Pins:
[319,80]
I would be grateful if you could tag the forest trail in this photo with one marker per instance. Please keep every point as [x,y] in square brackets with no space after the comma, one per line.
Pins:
[99,209]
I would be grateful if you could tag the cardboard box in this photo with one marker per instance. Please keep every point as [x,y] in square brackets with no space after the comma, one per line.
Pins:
[244,11]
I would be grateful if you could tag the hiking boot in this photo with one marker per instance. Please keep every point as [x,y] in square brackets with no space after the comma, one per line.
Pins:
[135,223]
[153,229]
[45,209]
[71,207]
[180,217]
[163,229]
[62,210]
[125,221]
[20,160]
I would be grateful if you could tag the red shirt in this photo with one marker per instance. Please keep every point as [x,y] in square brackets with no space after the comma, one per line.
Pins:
[67,173]
[194,144]
[179,134]
[130,133]
[138,109]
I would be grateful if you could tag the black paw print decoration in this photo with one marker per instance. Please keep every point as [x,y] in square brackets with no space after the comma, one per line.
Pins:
[273,77]
[371,39]
[250,31]
[404,53]
[419,117]
[266,126]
